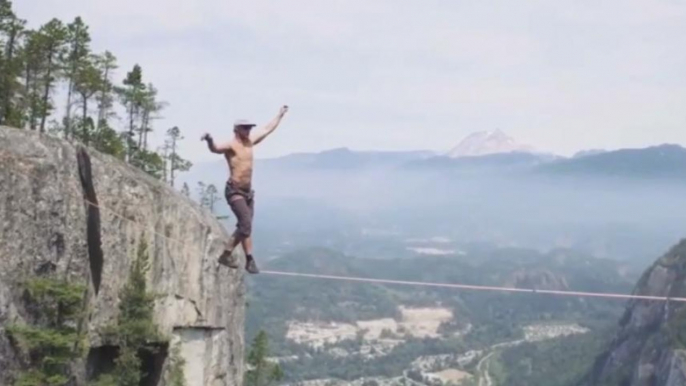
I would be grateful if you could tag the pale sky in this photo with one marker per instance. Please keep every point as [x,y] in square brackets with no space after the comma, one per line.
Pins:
[560,75]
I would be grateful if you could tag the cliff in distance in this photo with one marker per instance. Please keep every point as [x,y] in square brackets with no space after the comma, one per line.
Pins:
[649,348]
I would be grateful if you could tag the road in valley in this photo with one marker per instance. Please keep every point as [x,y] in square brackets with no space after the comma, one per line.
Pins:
[482,370]
[485,362]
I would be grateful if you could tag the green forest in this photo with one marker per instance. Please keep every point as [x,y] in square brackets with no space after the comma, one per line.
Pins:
[52,81]
[559,362]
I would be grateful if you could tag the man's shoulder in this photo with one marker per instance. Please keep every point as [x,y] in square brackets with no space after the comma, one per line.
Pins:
[230,146]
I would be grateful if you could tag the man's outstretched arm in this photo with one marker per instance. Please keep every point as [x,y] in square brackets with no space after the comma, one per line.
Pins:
[271,126]
[214,148]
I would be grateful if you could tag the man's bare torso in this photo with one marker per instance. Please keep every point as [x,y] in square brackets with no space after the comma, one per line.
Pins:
[240,160]
[239,152]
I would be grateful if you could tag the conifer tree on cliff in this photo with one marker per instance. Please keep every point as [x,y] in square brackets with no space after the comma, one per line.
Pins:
[76,58]
[50,42]
[176,163]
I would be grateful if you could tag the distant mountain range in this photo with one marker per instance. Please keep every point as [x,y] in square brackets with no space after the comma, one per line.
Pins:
[664,161]
[344,158]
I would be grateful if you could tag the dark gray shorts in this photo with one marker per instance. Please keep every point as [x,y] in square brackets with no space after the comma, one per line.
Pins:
[243,208]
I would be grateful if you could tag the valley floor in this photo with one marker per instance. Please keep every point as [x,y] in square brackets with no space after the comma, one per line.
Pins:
[380,336]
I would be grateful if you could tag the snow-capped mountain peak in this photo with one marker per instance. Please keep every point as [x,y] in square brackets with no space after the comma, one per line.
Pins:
[488,142]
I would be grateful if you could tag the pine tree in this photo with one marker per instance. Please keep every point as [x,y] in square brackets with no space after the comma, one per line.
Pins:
[150,107]
[131,96]
[52,343]
[87,83]
[185,190]
[135,328]
[136,97]
[106,139]
[202,193]
[136,305]
[165,157]
[261,372]
[176,367]
[6,17]
[10,112]
[78,41]
[11,32]
[129,367]
[106,64]
[51,38]
[32,68]
[148,161]
[176,163]
[212,196]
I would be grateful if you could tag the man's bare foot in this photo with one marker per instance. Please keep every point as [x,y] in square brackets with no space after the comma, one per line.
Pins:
[251,266]
[228,259]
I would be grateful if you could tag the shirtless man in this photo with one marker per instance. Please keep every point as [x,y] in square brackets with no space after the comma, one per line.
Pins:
[238,191]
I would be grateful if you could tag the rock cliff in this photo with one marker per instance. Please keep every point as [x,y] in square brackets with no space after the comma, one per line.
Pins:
[649,348]
[45,224]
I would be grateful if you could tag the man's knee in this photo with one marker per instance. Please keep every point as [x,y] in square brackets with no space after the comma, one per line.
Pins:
[243,209]
[244,232]
[244,229]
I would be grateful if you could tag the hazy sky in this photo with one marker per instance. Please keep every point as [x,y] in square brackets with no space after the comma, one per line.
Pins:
[561,75]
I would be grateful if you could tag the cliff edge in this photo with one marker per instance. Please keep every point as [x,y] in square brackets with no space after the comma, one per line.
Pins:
[46,225]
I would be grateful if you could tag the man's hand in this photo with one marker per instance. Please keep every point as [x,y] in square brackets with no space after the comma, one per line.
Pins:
[218,149]
[271,126]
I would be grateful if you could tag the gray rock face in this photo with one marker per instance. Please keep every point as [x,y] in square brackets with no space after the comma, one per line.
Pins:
[648,347]
[46,224]
[541,279]
[675,372]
